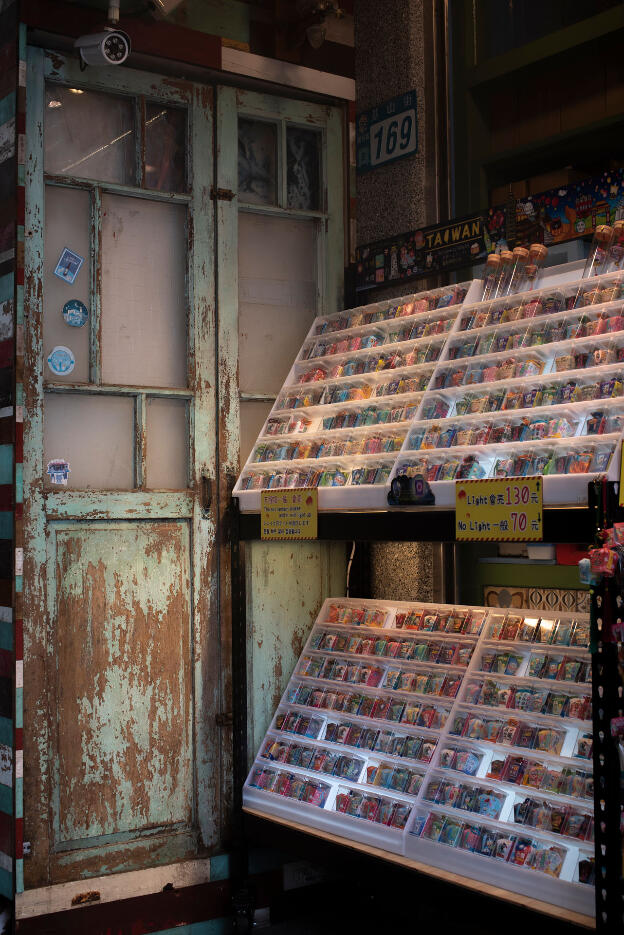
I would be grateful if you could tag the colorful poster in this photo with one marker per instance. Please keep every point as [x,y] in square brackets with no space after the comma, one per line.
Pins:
[424,252]
[572,211]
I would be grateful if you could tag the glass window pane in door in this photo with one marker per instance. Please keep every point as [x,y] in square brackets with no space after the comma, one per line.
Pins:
[165,148]
[277,296]
[95,434]
[167,444]
[67,225]
[144,306]
[303,159]
[257,162]
[89,135]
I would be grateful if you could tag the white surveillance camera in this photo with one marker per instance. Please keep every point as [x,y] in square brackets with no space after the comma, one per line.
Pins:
[111,47]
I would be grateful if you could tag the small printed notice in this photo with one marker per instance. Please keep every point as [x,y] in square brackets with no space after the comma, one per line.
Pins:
[68,266]
[507,509]
[289,514]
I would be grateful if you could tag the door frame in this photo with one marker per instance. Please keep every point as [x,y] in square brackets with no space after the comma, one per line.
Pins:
[88,507]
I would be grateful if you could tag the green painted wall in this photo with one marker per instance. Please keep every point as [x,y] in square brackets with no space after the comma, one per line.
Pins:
[475,574]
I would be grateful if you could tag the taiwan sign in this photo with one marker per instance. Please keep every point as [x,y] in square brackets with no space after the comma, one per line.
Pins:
[436,249]
[387,132]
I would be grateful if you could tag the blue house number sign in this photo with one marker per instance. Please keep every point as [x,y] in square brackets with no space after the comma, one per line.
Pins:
[387,132]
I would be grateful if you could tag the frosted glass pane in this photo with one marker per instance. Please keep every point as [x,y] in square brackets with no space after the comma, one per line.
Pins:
[167,444]
[276,296]
[303,159]
[257,162]
[143,292]
[96,435]
[165,148]
[67,224]
[89,135]
[253,415]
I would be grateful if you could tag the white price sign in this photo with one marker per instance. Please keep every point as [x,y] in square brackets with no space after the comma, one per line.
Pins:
[393,137]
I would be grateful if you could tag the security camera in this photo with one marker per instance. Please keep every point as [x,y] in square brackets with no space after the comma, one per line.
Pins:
[111,47]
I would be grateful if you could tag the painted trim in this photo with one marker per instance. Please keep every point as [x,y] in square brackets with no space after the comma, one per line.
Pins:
[57,898]
[287,75]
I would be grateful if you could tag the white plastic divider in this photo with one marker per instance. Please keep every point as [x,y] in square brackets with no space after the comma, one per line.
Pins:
[359,480]
[321,748]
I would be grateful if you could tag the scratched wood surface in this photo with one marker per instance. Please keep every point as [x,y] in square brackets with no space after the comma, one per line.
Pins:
[286,584]
[122,693]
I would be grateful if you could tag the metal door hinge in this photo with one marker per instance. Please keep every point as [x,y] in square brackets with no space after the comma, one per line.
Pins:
[222,194]
[224,719]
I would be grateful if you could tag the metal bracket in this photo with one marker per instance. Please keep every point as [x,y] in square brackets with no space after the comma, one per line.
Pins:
[222,194]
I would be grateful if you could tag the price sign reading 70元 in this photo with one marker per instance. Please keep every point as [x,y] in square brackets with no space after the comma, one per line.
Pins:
[507,509]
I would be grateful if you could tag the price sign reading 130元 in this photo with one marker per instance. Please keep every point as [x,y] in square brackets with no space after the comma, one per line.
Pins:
[507,509]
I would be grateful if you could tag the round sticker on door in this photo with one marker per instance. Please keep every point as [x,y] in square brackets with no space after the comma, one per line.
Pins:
[61,361]
[75,313]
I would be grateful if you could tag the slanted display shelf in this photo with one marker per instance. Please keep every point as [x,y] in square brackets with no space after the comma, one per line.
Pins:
[451,736]
[444,385]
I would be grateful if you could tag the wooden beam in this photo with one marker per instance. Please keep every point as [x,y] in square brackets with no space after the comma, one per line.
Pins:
[283,73]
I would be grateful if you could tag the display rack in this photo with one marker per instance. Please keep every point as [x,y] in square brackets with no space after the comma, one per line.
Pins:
[343,413]
[530,384]
[450,387]
[561,323]
[415,727]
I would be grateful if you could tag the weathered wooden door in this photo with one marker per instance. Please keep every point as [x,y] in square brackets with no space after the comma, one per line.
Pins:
[122,650]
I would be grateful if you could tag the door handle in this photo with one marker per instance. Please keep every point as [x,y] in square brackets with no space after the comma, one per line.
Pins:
[205,493]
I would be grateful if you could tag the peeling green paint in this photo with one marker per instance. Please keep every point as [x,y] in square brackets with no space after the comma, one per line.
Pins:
[220,867]
[6,284]
[6,525]
[6,800]
[6,635]
[6,883]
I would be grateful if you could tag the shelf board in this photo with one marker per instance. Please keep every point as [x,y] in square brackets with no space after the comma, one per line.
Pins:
[561,42]
[422,524]
[495,891]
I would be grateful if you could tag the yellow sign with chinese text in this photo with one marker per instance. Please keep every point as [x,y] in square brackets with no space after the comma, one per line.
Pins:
[506,509]
[289,514]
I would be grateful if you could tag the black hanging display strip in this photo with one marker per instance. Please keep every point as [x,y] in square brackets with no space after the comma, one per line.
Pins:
[608,703]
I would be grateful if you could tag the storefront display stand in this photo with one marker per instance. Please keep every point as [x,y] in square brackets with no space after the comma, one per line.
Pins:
[406,524]
[260,827]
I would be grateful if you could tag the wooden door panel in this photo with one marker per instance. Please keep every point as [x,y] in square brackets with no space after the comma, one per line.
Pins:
[123,681]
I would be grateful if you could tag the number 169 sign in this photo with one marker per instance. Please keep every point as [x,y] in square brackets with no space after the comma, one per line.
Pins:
[387,132]
[505,509]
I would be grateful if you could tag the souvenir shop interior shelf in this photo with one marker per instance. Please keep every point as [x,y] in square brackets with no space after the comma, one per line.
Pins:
[343,413]
[446,386]
[529,385]
[456,736]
